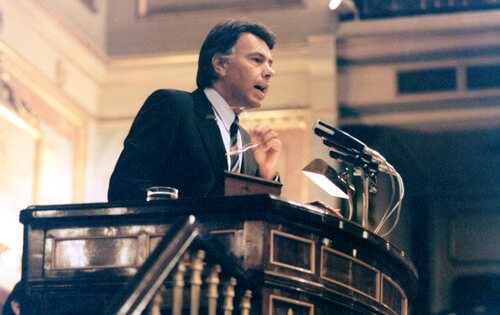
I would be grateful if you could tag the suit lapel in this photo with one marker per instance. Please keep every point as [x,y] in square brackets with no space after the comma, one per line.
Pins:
[209,131]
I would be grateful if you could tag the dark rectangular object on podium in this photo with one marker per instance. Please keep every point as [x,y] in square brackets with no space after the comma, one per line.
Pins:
[240,184]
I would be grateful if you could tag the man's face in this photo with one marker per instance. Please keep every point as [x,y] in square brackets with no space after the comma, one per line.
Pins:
[244,78]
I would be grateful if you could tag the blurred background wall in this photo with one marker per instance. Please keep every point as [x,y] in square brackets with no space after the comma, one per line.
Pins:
[418,80]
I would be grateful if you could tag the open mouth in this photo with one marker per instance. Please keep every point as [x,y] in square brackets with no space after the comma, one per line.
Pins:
[260,88]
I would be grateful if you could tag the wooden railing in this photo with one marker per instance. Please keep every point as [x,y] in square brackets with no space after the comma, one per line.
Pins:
[184,253]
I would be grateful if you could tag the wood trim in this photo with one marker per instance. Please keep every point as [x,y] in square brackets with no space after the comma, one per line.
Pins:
[338,253]
[273,297]
[296,238]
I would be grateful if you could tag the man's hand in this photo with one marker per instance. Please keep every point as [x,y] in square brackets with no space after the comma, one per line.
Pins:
[268,152]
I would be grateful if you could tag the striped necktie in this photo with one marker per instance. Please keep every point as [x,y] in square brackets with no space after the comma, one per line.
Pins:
[233,131]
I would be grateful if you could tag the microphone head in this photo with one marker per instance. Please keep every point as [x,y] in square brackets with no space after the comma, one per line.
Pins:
[338,137]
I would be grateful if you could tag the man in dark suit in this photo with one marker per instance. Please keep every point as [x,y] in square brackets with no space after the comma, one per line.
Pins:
[183,140]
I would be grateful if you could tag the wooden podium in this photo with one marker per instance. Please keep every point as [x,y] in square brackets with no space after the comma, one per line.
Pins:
[77,257]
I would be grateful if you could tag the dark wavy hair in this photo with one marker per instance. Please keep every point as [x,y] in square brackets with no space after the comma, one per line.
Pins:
[221,40]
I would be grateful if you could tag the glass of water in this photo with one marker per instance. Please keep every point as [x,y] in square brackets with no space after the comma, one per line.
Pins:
[161,193]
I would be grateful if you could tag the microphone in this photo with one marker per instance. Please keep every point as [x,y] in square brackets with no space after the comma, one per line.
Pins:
[338,137]
[352,154]
[351,150]
[349,159]
[333,137]
[371,168]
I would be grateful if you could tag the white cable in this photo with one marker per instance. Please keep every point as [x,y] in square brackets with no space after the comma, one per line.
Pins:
[396,209]
[397,206]
[393,194]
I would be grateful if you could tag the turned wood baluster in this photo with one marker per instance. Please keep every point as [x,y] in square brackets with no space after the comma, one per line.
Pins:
[157,302]
[229,296]
[245,304]
[213,282]
[178,283]
[196,282]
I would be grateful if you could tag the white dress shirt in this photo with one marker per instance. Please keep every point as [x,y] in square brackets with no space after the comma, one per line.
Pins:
[224,117]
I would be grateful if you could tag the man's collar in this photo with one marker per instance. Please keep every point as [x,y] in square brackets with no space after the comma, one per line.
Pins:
[222,109]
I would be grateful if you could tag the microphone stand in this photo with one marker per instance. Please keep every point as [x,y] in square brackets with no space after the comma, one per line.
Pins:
[369,184]
[366,201]
[366,163]
[366,170]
